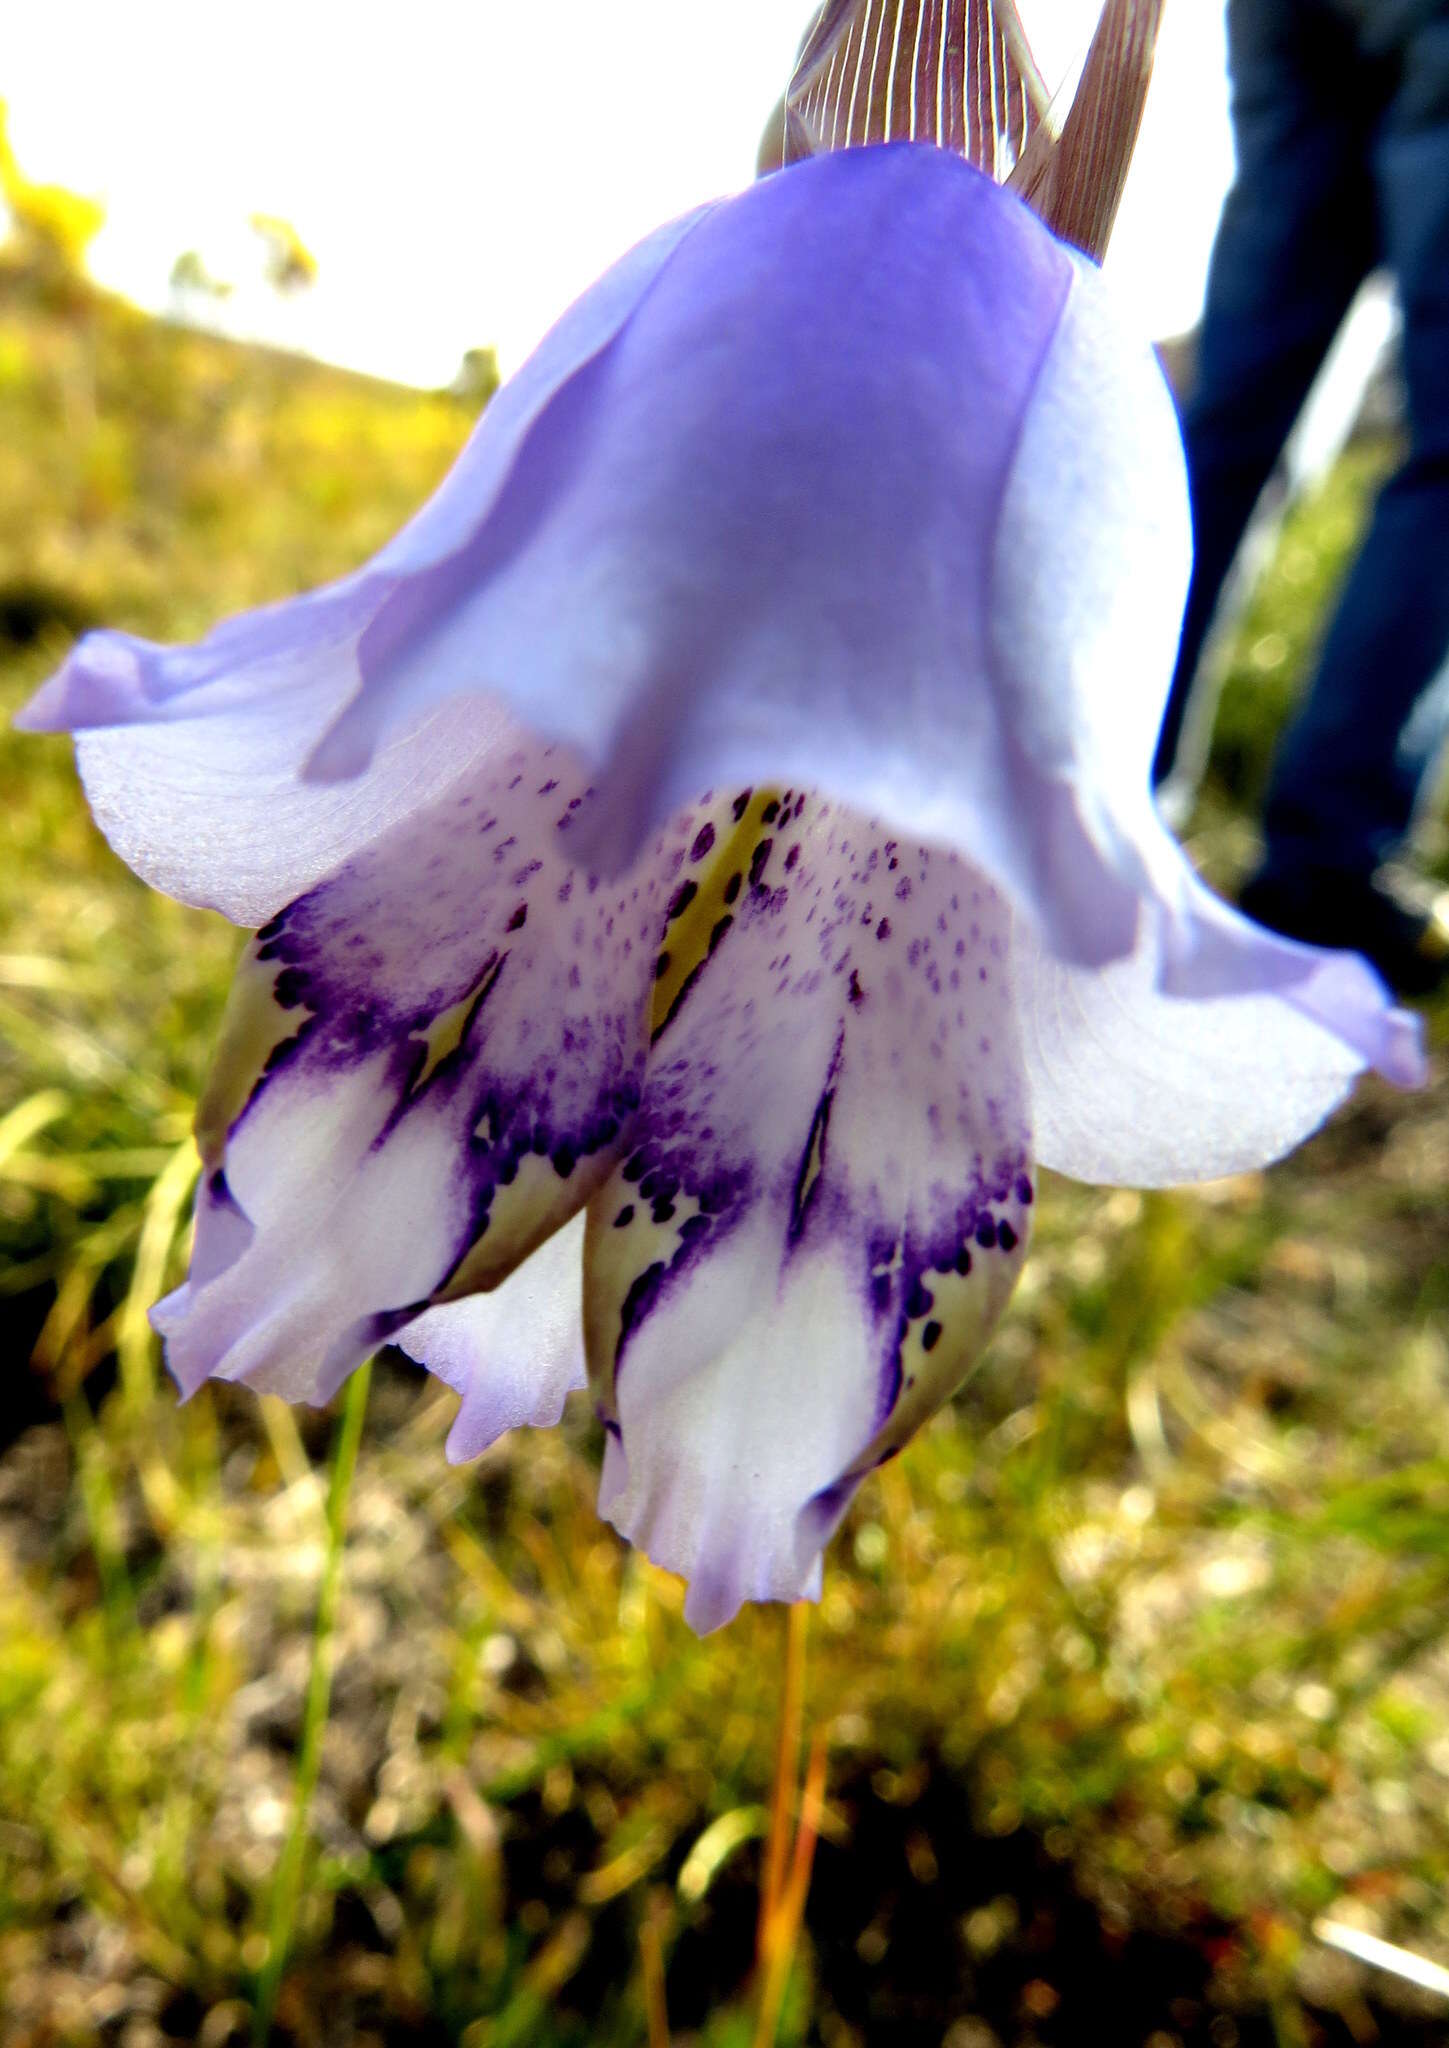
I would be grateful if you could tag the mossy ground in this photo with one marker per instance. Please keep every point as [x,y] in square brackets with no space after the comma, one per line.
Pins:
[1134,1664]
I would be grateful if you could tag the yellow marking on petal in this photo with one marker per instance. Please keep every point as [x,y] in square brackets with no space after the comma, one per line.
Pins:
[813,1164]
[446,1032]
[253,1026]
[616,1255]
[709,900]
[536,1203]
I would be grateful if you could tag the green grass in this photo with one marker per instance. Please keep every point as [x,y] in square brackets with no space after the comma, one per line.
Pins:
[1153,1617]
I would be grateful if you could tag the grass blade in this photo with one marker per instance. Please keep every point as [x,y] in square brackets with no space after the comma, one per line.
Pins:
[286,1889]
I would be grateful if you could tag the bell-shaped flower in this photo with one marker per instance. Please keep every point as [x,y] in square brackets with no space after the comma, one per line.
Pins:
[706,862]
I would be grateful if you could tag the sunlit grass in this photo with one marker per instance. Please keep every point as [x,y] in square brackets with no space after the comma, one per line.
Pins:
[1157,1609]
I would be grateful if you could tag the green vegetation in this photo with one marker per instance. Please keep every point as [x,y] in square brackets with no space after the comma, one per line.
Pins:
[1134,1664]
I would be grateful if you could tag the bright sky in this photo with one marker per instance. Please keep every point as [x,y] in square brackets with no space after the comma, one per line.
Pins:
[463,168]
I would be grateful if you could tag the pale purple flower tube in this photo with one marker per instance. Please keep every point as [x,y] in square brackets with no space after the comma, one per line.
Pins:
[724,812]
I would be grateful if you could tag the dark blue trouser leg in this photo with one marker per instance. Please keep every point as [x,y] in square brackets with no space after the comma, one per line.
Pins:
[1297,236]
[1350,768]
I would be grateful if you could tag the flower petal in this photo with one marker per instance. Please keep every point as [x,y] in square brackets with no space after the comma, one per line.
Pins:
[209,808]
[1092,551]
[1138,1086]
[427,1066]
[514,1354]
[191,756]
[1095,512]
[826,1202]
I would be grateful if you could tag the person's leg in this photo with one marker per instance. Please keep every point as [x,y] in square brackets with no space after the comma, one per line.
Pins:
[1297,236]
[1350,769]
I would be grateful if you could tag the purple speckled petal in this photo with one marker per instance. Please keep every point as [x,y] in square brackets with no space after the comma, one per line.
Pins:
[514,1354]
[824,1208]
[429,1064]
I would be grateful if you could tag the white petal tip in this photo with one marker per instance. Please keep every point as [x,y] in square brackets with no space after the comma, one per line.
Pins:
[709,1605]
[480,1423]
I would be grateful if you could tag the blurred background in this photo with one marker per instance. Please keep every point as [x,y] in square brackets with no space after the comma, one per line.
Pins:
[1133,1670]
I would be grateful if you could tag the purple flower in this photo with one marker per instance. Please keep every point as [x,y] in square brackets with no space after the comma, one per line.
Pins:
[710,851]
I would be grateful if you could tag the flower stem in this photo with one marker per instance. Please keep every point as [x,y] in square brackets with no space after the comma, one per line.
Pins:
[287,1885]
[785,1882]
[787,1752]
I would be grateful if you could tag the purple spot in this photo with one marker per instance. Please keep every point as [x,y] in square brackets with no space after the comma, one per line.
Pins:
[856,992]
[883,929]
[518,919]
[642,1295]
[683,897]
[661,967]
[741,804]
[792,857]
[732,888]
[703,841]
[625,1217]
[1023,1191]
[771,811]
[829,1505]
[280,1054]
[758,859]
[930,1336]
[986,1233]
[719,931]
[1006,1237]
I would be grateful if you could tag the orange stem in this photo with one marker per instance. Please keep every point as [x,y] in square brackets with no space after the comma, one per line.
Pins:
[787,1753]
